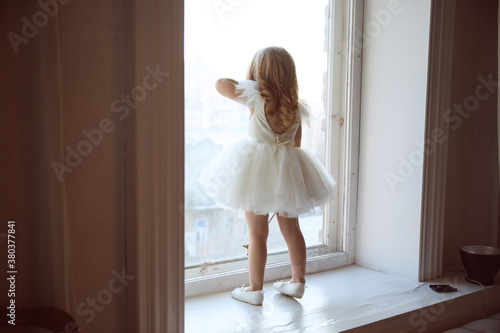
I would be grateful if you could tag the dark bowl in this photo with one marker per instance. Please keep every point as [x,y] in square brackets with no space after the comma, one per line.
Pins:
[481,263]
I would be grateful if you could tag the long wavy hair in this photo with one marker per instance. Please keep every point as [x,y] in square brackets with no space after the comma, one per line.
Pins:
[273,69]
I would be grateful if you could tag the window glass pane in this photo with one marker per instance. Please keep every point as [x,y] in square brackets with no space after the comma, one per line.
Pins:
[221,38]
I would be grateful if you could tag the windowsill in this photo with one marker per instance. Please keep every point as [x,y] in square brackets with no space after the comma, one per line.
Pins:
[353,299]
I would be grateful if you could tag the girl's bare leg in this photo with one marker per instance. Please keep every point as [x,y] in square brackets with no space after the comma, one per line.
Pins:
[296,247]
[258,229]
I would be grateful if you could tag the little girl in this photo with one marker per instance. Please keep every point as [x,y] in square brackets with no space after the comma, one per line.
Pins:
[269,172]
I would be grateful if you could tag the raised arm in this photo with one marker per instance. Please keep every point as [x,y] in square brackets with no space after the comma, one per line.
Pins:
[226,87]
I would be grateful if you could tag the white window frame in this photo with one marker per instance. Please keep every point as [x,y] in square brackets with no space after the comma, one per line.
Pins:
[342,129]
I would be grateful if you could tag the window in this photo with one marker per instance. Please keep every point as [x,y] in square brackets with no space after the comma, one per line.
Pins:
[221,38]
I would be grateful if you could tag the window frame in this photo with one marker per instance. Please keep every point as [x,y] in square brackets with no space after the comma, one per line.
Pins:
[342,127]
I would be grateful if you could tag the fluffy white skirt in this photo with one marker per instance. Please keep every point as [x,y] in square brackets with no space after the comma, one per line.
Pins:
[266,178]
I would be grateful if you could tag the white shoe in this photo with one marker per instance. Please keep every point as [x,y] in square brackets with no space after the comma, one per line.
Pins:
[290,288]
[250,297]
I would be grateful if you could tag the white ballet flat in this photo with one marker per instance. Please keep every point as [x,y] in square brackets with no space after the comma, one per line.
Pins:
[250,297]
[290,288]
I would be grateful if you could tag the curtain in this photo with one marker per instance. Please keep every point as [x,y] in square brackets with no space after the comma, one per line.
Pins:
[62,162]
[31,137]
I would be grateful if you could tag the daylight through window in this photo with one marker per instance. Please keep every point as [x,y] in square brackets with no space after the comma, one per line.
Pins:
[221,38]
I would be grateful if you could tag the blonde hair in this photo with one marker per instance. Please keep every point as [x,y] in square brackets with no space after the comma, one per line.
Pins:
[273,69]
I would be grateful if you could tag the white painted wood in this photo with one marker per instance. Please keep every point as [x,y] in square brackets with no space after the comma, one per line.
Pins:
[352,123]
[436,151]
[335,106]
[154,167]
[393,104]
[343,110]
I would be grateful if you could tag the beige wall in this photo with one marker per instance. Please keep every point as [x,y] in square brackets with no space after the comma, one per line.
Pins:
[471,215]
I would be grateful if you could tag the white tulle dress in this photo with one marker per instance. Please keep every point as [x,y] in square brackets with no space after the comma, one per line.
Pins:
[266,173]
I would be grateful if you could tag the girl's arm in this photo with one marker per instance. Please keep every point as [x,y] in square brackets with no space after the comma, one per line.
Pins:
[298,136]
[226,87]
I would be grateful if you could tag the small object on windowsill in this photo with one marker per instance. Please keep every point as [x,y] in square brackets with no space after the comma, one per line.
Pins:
[442,288]
[246,247]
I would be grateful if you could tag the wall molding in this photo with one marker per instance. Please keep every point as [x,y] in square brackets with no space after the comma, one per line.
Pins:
[155,165]
[436,151]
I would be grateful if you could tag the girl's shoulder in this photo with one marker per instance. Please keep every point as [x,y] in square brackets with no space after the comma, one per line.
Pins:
[248,92]
[244,85]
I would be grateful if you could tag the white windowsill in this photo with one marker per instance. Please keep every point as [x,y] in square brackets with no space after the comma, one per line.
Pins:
[350,299]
